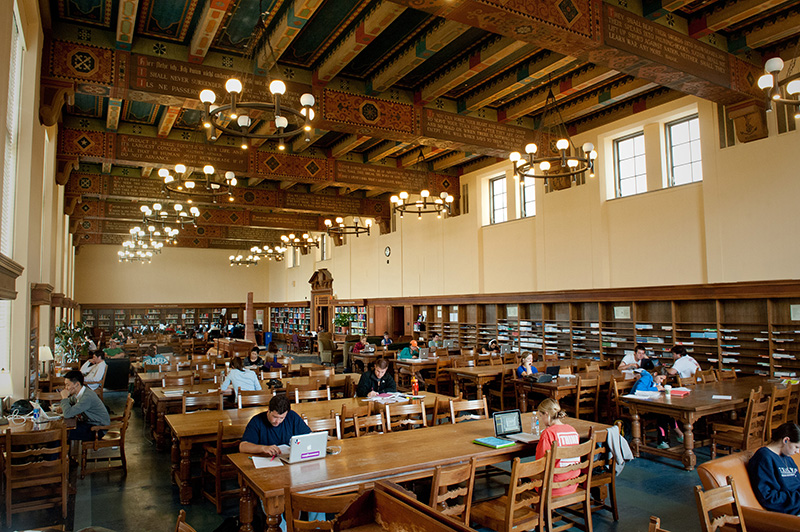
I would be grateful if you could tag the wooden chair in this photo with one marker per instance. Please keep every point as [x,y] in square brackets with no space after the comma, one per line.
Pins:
[586,399]
[100,385]
[604,476]
[267,375]
[707,376]
[348,418]
[192,402]
[794,403]
[750,436]
[166,368]
[207,376]
[210,366]
[686,381]
[522,507]
[182,525]
[468,410]
[36,469]
[723,504]
[311,385]
[778,411]
[216,464]
[503,389]
[566,460]
[330,424]
[442,380]
[102,448]
[373,423]
[621,387]
[726,374]
[254,398]
[405,417]
[655,525]
[450,484]
[467,352]
[312,395]
[295,503]
[177,380]
[200,359]
[440,413]
[322,374]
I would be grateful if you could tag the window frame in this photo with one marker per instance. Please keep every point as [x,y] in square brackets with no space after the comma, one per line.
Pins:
[615,151]
[523,197]
[669,146]
[492,199]
[8,171]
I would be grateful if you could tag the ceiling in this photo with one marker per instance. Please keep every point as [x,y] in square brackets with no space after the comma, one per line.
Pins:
[407,97]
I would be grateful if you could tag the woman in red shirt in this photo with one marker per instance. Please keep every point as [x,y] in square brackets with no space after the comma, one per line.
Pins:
[550,416]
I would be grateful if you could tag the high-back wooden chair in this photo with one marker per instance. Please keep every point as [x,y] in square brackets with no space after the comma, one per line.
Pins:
[464,410]
[296,503]
[440,412]
[503,389]
[267,375]
[522,507]
[101,448]
[451,490]
[200,359]
[321,374]
[348,418]
[164,368]
[405,416]
[707,376]
[216,464]
[726,374]
[586,399]
[621,387]
[207,376]
[723,505]
[192,402]
[330,424]
[747,437]
[373,423]
[253,398]
[208,366]
[655,525]
[568,460]
[292,387]
[182,380]
[778,411]
[794,403]
[182,525]
[312,395]
[37,464]
[603,472]
[686,381]
[467,352]
[442,380]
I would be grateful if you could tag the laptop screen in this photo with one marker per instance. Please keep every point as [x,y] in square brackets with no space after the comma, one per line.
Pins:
[508,422]
[552,370]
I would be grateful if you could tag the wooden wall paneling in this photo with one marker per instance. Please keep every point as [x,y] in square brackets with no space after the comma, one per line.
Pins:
[410,317]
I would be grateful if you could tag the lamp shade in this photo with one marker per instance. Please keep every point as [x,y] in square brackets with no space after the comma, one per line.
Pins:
[6,388]
[45,354]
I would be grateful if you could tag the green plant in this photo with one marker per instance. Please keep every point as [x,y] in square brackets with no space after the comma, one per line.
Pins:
[71,340]
[343,319]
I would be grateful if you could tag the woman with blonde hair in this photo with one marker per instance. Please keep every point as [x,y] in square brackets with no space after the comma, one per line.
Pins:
[550,417]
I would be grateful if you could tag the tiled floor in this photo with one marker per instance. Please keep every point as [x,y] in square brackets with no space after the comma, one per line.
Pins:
[146,500]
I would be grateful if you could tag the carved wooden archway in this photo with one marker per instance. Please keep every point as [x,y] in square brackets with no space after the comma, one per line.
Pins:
[321,294]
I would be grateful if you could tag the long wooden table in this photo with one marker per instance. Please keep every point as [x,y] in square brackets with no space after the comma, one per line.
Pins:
[560,387]
[688,410]
[199,427]
[480,375]
[398,456]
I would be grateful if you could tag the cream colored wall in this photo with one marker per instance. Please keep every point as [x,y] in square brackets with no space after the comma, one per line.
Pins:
[178,275]
[736,225]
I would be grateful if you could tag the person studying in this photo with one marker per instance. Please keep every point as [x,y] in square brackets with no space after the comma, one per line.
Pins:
[376,381]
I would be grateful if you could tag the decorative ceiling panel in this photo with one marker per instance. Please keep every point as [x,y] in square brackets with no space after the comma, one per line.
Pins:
[94,12]
[166,19]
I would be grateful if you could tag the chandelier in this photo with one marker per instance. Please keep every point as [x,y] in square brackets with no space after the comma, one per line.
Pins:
[208,186]
[340,228]
[773,88]
[303,242]
[256,254]
[157,214]
[560,160]
[424,205]
[135,256]
[153,238]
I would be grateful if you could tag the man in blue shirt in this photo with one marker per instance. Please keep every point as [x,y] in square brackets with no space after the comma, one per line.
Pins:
[275,427]
[773,473]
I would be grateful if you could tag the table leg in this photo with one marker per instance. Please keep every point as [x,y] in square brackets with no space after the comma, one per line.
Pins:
[175,457]
[185,472]
[689,458]
[274,509]
[158,426]
[522,397]
[637,432]
[245,507]
[479,385]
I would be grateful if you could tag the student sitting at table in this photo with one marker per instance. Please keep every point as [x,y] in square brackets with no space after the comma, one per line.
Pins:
[94,370]
[254,361]
[526,367]
[654,382]
[773,473]
[271,359]
[550,416]
[114,350]
[152,358]
[435,342]
[412,351]
[240,378]
[633,360]
[492,347]
[376,381]
[684,365]
[360,345]
[81,403]
[386,340]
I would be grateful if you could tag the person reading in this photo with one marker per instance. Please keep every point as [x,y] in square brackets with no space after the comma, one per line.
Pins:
[435,342]
[684,365]
[550,417]
[254,361]
[773,472]
[412,351]
[81,403]
[634,360]
[240,378]
[386,340]
[376,381]
[654,382]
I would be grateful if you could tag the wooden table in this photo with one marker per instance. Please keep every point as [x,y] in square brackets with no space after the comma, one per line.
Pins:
[688,410]
[398,456]
[199,427]
[142,382]
[560,387]
[480,375]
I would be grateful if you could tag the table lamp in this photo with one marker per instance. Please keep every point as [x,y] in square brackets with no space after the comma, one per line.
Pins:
[45,356]
[6,389]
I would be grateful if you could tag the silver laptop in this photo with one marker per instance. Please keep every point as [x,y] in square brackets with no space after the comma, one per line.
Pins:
[306,447]
[508,426]
[423,353]
[449,344]
[505,349]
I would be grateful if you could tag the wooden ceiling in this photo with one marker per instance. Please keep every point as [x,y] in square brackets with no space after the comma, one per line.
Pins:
[410,94]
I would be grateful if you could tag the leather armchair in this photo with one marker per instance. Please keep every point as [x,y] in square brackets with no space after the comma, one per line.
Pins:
[328,353]
[714,474]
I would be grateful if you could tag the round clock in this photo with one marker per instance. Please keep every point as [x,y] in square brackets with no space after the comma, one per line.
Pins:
[387,251]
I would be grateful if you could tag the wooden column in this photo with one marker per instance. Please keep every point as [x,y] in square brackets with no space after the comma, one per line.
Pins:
[249,318]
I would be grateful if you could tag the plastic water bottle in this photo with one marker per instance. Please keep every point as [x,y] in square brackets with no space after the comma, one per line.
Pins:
[37,412]
[414,385]
[535,427]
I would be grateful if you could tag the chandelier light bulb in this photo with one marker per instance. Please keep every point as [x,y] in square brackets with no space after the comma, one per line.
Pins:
[449,199]
[514,157]
[544,166]
[277,87]
[368,222]
[562,144]
[243,121]
[189,184]
[281,122]
[144,208]
[425,193]
[163,172]
[587,147]
[531,148]
[793,87]
[394,199]
[593,155]
[181,169]
[208,169]
[774,65]
[207,96]
[156,206]
[281,145]
[339,220]
[307,100]
[178,207]
[169,179]
[404,195]
[310,113]
[328,223]
[572,163]
[233,85]
[765,81]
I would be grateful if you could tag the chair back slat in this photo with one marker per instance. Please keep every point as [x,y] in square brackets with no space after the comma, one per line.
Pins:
[719,508]
[468,409]
[192,402]
[253,398]
[408,416]
[451,490]
[778,410]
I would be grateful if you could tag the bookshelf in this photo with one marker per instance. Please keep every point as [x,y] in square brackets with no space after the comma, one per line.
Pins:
[290,320]
[743,334]
[696,330]
[585,320]
[557,329]
[358,325]
[784,344]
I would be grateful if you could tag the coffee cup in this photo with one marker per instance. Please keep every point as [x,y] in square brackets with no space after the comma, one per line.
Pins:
[667,387]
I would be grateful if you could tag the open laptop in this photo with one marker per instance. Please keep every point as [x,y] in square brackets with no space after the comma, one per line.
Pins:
[552,370]
[305,447]
[423,353]
[505,348]
[449,344]
[508,426]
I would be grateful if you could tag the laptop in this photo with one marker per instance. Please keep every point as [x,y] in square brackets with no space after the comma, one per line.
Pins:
[505,349]
[449,344]
[423,353]
[305,447]
[552,370]
[508,426]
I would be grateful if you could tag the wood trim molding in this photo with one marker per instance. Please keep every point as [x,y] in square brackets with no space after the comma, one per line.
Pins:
[9,271]
[40,294]
[56,299]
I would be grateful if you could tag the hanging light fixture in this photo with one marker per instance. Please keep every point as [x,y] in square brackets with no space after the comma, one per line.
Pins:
[303,242]
[144,257]
[256,254]
[781,92]
[160,214]
[241,260]
[207,186]
[554,155]
[338,226]
[424,205]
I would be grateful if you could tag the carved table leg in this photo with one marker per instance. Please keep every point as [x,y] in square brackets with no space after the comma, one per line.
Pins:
[689,458]
[185,474]
[245,507]
[175,455]
[522,395]
[637,432]
[274,509]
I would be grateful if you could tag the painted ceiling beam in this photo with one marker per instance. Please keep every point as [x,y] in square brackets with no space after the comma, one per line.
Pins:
[729,15]
[348,47]
[764,34]
[383,151]
[533,72]
[146,171]
[566,87]
[424,48]
[126,23]
[606,97]
[452,159]
[266,127]
[207,28]
[113,114]
[168,120]
[300,144]
[348,144]
[629,108]
[373,193]
[469,67]
[655,9]
[418,155]
[294,18]
[287,184]
[317,187]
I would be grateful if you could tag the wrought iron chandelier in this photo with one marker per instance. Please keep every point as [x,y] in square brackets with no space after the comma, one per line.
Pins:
[157,214]
[256,254]
[208,186]
[144,257]
[781,92]
[338,226]
[424,205]
[303,242]
[152,237]
[557,155]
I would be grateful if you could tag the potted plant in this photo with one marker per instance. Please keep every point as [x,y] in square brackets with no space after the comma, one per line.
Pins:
[343,320]
[71,341]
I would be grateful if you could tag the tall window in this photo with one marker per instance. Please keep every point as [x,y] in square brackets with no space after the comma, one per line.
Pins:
[683,151]
[528,188]
[498,200]
[294,257]
[9,175]
[629,165]
[325,247]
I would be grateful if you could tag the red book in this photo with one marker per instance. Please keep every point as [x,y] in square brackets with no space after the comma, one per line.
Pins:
[679,393]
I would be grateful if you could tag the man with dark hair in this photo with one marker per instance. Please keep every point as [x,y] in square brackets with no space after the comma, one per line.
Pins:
[274,427]
[684,365]
[94,370]
[80,402]
[376,381]
[633,360]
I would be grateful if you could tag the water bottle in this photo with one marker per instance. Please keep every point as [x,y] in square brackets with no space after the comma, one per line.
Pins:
[535,430]
[37,412]
[414,385]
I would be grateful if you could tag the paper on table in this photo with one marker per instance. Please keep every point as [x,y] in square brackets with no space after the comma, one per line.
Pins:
[722,397]
[262,461]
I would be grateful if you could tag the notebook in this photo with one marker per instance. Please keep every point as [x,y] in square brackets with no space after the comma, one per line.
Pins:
[508,426]
[305,447]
